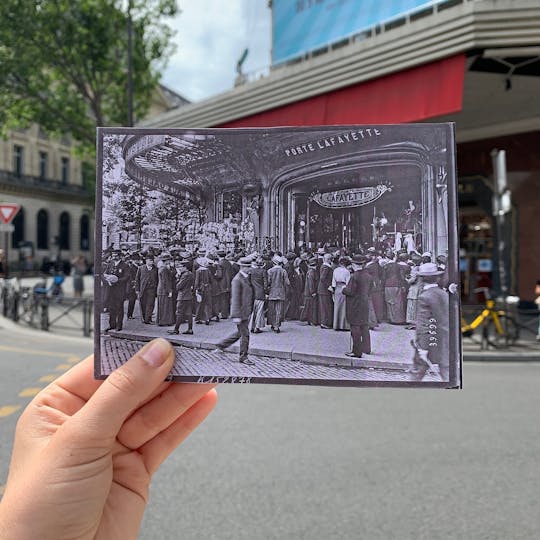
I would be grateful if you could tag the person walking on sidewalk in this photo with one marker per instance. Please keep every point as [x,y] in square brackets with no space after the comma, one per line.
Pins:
[117,290]
[357,293]
[203,291]
[326,304]
[310,311]
[165,292]
[259,281]
[185,281]
[432,322]
[241,309]
[278,283]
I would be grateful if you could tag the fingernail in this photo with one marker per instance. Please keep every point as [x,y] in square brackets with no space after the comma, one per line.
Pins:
[156,352]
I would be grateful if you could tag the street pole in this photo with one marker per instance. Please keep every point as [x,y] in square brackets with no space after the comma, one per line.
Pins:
[130,67]
[6,254]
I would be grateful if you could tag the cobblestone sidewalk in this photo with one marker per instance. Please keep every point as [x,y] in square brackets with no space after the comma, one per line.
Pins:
[205,366]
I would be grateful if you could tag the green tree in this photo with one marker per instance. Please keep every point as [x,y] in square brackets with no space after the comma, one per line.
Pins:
[63,63]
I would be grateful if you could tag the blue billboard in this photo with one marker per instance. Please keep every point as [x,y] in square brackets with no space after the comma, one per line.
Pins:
[300,26]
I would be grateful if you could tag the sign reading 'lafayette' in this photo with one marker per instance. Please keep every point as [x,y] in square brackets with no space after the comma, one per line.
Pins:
[350,198]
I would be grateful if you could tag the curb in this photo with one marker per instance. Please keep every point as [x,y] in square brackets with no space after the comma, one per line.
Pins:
[298,356]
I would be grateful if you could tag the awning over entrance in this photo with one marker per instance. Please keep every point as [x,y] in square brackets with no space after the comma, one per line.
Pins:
[411,95]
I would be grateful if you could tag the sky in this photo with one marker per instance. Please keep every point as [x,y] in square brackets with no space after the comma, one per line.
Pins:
[210,38]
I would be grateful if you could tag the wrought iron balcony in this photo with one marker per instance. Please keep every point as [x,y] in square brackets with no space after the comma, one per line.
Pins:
[35,183]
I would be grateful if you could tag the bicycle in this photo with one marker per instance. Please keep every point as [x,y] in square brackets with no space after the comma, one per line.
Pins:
[498,328]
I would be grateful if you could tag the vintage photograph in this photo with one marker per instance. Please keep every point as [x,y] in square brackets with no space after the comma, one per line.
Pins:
[322,255]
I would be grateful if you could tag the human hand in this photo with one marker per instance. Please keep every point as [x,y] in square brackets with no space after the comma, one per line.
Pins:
[85,450]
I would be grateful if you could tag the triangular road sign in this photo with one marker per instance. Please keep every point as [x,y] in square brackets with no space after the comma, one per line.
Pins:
[8,211]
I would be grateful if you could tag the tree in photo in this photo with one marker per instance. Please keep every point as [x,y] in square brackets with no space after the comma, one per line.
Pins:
[64,63]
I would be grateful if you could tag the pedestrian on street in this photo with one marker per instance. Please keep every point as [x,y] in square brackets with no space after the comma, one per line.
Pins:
[185,281]
[340,278]
[131,286]
[227,273]
[241,310]
[278,283]
[147,283]
[259,281]
[357,293]
[324,292]
[395,291]
[202,292]
[165,292]
[310,311]
[118,270]
[85,452]
[432,322]
[78,270]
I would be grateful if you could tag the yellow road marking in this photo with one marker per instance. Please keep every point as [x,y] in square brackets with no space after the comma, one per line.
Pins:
[74,359]
[29,392]
[68,356]
[62,367]
[48,378]
[8,409]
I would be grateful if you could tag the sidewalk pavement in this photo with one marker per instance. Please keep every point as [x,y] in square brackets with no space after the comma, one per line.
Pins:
[390,344]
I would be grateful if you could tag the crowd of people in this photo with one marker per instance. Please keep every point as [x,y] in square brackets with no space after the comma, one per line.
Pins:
[331,289]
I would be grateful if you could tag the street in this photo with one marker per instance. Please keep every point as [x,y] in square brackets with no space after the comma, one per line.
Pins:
[309,462]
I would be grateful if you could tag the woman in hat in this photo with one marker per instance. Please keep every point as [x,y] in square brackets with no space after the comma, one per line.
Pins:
[259,281]
[165,292]
[340,278]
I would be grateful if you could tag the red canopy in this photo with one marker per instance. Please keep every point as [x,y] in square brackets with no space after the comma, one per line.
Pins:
[411,95]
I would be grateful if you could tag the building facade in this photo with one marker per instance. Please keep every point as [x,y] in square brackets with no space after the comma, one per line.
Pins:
[55,190]
[472,62]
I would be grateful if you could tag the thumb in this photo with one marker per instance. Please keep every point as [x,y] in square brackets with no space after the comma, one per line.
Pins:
[125,389]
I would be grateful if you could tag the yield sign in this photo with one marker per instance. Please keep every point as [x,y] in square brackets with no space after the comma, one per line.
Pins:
[8,211]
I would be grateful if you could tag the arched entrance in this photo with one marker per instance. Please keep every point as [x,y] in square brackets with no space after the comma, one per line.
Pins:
[336,201]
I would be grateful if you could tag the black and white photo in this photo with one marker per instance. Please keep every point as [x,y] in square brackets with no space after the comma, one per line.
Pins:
[313,255]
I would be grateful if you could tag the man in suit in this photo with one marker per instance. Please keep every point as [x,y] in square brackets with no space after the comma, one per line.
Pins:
[432,322]
[203,289]
[259,281]
[117,290]
[357,306]
[278,283]
[326,304]
[227,273]
[241,309]
[131,286]
[310,311]
[147,283]
[185,281]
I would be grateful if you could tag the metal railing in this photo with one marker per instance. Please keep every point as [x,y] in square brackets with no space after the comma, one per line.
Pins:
[43,311]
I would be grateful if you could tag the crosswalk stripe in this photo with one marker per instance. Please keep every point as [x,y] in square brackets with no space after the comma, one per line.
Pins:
[29,392]
[48,378]
[8,409]
[62,367]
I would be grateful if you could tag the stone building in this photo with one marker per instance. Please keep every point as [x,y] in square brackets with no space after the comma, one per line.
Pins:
[55,190]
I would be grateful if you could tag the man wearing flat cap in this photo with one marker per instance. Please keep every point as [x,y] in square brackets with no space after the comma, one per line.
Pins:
[432,322]
[241,309]
[357,292]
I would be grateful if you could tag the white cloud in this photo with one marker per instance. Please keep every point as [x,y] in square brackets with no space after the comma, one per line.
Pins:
[211,36]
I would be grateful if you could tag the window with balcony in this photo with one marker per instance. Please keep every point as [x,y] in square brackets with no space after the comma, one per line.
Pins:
[18,159]
[43,165]
[18,233]
[85,233]
[42,233]
[64,238]
[65,170]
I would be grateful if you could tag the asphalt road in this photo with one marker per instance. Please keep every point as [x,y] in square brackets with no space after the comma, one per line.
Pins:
[323,463]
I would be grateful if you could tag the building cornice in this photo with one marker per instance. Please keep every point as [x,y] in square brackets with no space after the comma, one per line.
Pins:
[469,26]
